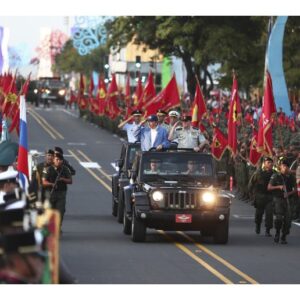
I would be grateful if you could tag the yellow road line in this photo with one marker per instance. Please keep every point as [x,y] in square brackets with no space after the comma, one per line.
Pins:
[88,159]
[91,172]
[42,119]
[197,259]
[219,259]
[42,125]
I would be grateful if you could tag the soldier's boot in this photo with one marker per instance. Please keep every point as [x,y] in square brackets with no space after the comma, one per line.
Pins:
[277,236]
[283,239]
[268,234]
[257,228]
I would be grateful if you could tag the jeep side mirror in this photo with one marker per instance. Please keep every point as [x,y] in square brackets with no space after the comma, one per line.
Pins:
[119,163]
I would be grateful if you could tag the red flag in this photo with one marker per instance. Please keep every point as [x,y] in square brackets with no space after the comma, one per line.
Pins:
[137,94]
[14,109]
[254,156]
[234,117]
[219,144]
[112,93]
[148,93]
[264,140]
[199,107]
[168,98]
[11,97]
[82,103]
[101,96]
[93,107]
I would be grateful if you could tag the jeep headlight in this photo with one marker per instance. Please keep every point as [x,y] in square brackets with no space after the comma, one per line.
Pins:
[61,92]
[208,198]
[35,91]
[47,91]
[157,196]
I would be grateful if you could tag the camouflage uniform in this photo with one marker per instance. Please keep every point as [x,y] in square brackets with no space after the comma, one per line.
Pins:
[258,186]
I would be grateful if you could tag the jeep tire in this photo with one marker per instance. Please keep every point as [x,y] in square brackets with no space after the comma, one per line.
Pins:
[114,207]
[126,223]
[120,206]
[221,232]
[138,229]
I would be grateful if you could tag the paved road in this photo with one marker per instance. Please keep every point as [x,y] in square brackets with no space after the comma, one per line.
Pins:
[96,250]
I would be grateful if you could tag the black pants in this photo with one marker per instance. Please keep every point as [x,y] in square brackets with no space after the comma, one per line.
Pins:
[282,212]
[264,206]
[58,201]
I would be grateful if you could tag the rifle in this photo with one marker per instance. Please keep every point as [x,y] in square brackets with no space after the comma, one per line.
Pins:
[285,193]
[56,181]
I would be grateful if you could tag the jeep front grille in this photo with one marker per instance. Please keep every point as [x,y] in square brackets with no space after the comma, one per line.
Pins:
[180,200]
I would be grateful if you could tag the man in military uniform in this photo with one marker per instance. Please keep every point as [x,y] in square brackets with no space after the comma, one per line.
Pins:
[65,162]
[258,187]
[174,116]
[192,168]
[187,136]
[161,115]
[137,116]
[57,177]
[8,182]
[38,174]
[154,167]
[283,186]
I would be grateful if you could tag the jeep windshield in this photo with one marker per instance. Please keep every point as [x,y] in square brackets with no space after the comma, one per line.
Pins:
[176,166]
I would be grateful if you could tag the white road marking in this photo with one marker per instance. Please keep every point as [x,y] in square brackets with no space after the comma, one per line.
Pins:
[122,140]
[115,136]
[68,113]
[114,166]
[76,144]
[90,165]
[243,217]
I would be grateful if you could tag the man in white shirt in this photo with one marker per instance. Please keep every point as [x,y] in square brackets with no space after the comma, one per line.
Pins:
[137,116]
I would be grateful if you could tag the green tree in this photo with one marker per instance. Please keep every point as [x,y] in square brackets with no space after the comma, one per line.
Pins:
[69,60]
[234,42]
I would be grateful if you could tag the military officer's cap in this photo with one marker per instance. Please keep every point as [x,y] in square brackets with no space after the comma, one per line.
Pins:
[161,112]
[174,113]
[50,151]
[59,150]
[59,156]
[137,112]
[186,118]
[12,217]
[267,158]
[152,118]
[23,242]
[8,153]
[8,176]
[284,161]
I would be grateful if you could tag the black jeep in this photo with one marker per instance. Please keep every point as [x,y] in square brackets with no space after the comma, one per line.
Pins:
[176,190]
[121,178]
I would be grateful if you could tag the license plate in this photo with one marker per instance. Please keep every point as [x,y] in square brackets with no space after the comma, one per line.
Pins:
[183,218]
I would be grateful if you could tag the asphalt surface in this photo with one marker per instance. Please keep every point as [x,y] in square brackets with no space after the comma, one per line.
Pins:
[97,252]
